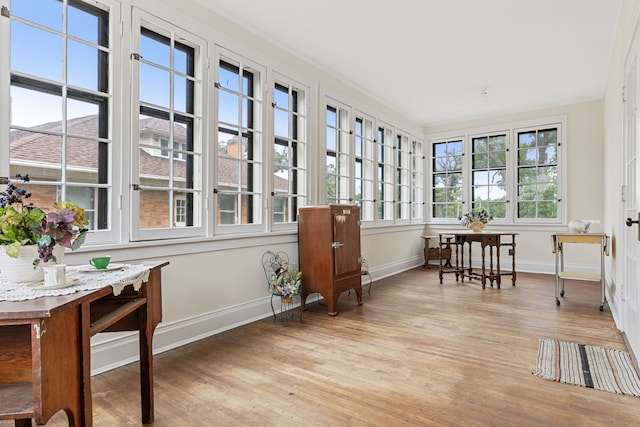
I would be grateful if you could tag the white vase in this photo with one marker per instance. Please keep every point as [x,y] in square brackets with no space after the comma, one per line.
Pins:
[579,226]
[21,269]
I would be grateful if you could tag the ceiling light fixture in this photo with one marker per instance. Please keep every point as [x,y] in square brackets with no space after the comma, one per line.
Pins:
[484,95]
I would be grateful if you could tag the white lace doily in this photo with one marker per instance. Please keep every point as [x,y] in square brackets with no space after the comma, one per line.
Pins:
[129,274]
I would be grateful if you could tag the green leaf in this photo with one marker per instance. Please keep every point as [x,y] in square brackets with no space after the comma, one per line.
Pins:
[78,241]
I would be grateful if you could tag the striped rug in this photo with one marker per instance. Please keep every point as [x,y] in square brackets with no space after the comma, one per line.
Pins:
[587,366]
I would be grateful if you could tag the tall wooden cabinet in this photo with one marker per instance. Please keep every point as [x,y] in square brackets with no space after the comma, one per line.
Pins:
[329,252]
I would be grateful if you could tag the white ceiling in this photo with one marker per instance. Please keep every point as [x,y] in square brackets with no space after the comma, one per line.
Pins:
[430,59]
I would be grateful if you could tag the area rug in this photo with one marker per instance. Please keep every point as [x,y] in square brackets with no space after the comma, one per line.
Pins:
[587,366]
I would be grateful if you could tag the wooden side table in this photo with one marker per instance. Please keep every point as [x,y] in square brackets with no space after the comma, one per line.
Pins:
[442,251]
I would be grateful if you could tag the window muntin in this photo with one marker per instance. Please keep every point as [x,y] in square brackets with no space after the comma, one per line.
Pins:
[239,144]
[289,152]
[537,173]
[168,154]
[447,167]
[60,127]
[489,174]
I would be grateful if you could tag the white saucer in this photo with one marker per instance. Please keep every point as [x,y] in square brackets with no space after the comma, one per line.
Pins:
[40,285]
[92,269]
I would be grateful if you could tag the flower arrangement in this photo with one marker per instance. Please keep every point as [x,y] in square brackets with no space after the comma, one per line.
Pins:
[24,224]
[476,215]
[284,281]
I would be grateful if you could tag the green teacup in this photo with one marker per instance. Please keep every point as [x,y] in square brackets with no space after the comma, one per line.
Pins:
[100,263]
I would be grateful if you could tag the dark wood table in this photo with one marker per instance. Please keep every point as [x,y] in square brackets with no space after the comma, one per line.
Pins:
[493,240]
[45,351]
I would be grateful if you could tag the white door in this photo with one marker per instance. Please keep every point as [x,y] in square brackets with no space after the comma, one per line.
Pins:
[630,242]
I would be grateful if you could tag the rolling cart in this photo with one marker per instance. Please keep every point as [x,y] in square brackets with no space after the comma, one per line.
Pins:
[559,241]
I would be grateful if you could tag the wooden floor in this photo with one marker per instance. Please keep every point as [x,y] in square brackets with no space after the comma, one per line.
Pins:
[416,353]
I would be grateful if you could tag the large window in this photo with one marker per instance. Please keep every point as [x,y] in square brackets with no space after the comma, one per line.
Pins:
[289,152]
[60,126]
[239,186]
[538,173]
[519,188]
[417,180]
[489,174]
[374,166]
[446,179]
[364,177]
[385,194]
[167,182]
[337,155]
[403,173]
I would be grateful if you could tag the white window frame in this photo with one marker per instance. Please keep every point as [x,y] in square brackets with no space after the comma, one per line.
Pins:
[343,153]
[417,180]
[114,225]
[402,177]
[455,138]
[368,179]
[143,19]
[509,213]
[303,150]
[261,88]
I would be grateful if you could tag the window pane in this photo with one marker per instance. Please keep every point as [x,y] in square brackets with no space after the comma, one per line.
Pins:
[45,149]
[181,60]
[155,213]
[155,48]
[281,97]
[82,118]
[82,65]
[47,13]
[32,108]
[281,123]
[82,24]
[228,107]
[154,85]
[82,160]
[27,43]
[181,87]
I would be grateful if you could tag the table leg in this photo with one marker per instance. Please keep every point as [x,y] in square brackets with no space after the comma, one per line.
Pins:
[513,260]
[146,365]
[439,259]
[484,275]
[498,275]
[86,415]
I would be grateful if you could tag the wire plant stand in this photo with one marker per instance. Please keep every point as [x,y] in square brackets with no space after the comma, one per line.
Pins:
[282,283]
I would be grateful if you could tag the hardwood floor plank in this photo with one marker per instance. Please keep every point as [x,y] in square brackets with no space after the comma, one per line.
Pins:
[416,353]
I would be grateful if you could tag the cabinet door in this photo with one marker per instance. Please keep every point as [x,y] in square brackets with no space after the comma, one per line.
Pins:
[346,239]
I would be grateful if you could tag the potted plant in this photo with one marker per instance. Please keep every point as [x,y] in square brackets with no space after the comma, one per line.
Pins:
[476,219]
[26,231]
